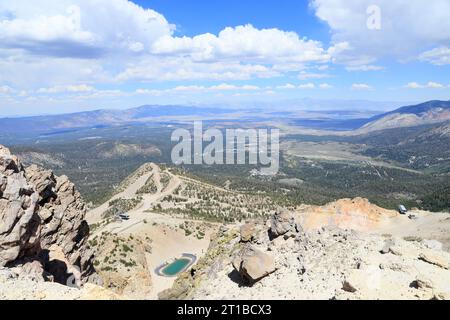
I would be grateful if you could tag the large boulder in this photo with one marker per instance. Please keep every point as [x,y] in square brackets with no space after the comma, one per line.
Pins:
[253,264]
[38,211]
[282,222]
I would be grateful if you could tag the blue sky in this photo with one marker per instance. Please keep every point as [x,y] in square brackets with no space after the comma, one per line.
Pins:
[76,55]
[199,16]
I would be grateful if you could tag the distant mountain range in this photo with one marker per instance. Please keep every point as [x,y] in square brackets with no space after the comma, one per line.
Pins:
[409,116]
[101,118]
[424,113]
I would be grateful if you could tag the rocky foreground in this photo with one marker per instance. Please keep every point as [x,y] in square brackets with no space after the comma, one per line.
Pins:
[337,251]
[43,234]
[17,285]
[281,260]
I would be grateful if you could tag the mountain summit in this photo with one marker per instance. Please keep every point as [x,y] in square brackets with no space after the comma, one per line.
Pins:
[410,116]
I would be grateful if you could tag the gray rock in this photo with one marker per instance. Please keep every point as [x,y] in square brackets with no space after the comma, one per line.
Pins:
[282,222]
[388,244]
[348,287]
[434,258]
[33,270]
[422,282]
[253,264]
[289,235]
[248,231]
[38,210]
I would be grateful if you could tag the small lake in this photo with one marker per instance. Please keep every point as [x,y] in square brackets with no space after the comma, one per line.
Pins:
[176,266]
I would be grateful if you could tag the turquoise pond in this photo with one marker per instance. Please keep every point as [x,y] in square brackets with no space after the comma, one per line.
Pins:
[176,267]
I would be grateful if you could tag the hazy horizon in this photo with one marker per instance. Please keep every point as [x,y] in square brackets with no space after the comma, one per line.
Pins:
[371,107]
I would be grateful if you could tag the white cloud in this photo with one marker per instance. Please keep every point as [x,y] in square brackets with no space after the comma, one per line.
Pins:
[238,53]
[174,68]
[361,86]
[77,46]
[31,73]
[414,85]
[405,28]
[250,87]
[223,87]
[244,43]
[434,85]
[305,75]
[364,67]
[189,88]
[136,47]
[429,85]
[310,85]
[151,92]
[307,86]
[68,88]
[79,29]
[287,86]
[437,56]
[125,42]
[6,90]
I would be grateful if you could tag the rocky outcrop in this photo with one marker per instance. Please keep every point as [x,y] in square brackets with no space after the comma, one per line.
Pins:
[18,201]
[325,262]
[41,214]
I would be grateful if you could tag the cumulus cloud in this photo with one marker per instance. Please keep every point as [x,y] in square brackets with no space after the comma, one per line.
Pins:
[132,43]
[77,44]
[238,53]
[244,43]
[404,29]
[430,85]
[80,29]
[437,56]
